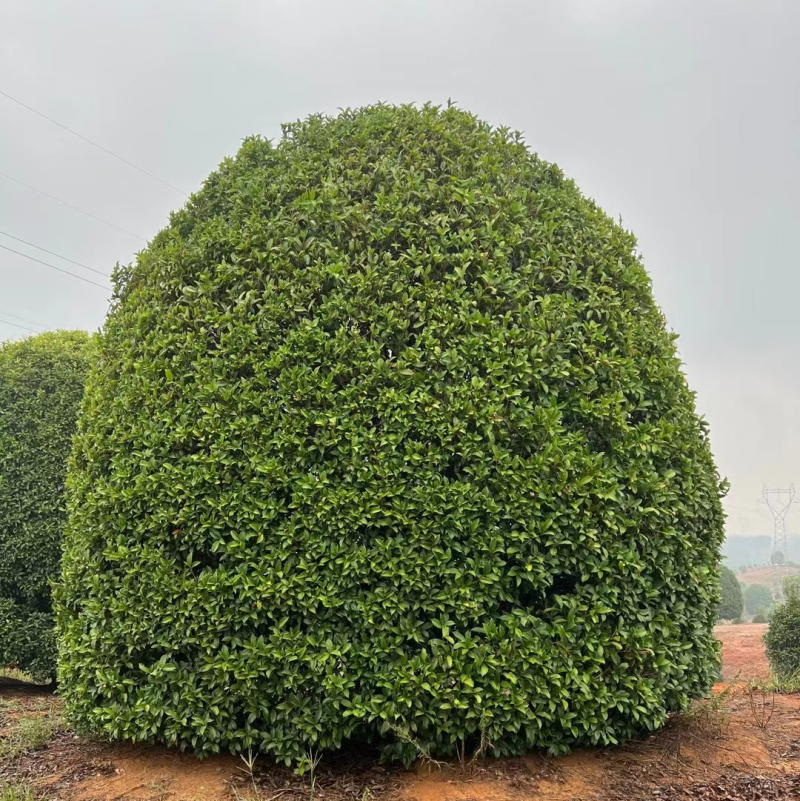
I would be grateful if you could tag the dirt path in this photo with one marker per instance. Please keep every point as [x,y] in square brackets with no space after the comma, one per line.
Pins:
[743,654]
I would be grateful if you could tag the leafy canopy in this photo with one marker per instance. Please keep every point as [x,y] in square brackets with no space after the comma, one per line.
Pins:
[783,635]
[388,440]
[731,603]
[41,384]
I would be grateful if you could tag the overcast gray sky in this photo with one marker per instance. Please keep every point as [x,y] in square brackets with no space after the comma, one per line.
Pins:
[680,116]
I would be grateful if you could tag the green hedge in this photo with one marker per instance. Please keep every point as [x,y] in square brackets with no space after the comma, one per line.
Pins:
[731,603]
[41,384]
[388,440]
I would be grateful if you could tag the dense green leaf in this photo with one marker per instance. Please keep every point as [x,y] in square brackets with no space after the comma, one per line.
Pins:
[388,439]
[731,603]
[41,384]
[783,635]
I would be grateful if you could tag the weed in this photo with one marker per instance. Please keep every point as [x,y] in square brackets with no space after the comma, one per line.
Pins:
[484,746]
[784,684]
[312,760]
[249,770]
[17,675]
[16,792]
[402,733]
[249,766]
[28,734]
[762,704]
[707,717]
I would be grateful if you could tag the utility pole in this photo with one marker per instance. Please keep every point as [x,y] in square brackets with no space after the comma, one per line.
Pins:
[783,500]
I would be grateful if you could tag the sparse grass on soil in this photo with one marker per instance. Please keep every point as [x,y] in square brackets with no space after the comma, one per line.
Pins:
[17,792]
[742,744]
[10,674]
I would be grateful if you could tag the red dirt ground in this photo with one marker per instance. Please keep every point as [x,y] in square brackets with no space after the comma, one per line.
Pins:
[742,746]
[770,575]
[743,654]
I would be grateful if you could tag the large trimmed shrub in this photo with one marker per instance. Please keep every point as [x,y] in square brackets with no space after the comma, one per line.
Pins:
[388,438]
[783,635]
[41,383]
[731,603]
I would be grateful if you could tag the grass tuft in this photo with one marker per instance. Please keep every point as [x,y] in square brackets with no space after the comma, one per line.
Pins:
[16,792]
[784,684]
[27,735]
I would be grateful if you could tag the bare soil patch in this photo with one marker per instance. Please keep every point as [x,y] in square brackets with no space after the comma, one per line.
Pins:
[743,654]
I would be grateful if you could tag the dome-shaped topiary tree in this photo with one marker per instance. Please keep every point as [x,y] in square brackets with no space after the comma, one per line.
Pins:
[388,439]
[41,384]
[731,603]
[757,596]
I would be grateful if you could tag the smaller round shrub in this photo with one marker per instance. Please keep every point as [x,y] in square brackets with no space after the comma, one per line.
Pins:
[759,617]
[731,604]
[757,596]
[783,635]
[778,558]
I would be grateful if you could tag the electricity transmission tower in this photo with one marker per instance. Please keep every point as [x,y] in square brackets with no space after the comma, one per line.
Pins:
[783,500]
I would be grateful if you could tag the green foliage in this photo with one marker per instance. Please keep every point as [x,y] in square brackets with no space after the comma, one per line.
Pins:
[16,792]
[791,588]
[760,616]
[41,383]
[388,435]
[755,596]
[783,635]
[29,734]
[778,558]
[731,604]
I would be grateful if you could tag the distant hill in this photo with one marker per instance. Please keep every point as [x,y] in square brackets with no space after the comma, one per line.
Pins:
[740,551]
[770,575]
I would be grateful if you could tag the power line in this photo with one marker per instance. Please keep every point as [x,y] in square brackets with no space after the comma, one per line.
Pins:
[93,144]
[53,253]
[6,322]
[24,319]
[70,206]
[53,267]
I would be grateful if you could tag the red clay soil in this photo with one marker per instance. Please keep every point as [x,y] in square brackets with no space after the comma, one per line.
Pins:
[742,746]
[715,754]
[767,574]
[743,654]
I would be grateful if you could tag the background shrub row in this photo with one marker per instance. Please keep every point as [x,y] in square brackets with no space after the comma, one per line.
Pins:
[41,384]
